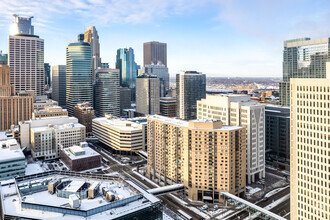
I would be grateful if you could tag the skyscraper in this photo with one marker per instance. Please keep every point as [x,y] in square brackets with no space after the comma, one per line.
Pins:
[107,92]
[47,74]
[14,107]
[26,57]
[59,84]
[190,87]
[125,62]
[92,38]
[161,71]
[303,58]
[154,53]
[78,75]
[240,110]
[190,153]
[85,114]
[147,94]
[310,149]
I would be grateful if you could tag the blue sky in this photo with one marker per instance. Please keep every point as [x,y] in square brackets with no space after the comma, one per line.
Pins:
[216,37]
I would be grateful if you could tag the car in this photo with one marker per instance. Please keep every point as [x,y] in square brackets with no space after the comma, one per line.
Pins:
[205,207]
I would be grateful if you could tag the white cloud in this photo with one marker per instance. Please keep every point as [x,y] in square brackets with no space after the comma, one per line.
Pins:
[101,12]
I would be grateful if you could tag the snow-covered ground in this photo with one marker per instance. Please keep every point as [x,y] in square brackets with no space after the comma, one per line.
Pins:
[277,202]
[252,190]
[273,192]
[33,168]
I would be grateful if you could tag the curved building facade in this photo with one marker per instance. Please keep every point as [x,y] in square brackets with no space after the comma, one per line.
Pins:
[78,75]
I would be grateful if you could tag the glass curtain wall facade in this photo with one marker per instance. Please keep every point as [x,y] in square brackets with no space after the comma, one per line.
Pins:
[190,87]
[303,58]
[59,84]
[107,92]
[125,62]
[78,75]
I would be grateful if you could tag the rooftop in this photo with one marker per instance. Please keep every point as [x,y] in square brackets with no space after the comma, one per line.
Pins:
[33,191]
[88,152]
[119,123]
[10,150]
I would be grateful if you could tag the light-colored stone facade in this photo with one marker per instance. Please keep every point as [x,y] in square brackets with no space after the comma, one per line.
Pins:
[239,110]
[205,156]
[310,149]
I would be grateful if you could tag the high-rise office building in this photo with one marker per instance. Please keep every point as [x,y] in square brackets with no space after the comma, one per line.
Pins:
[154,53]
[125,62]
[59,84]
[190,87]
[161,71]
[277,131]
[303,58]
[79,86]
[190,153]
[309,149]
[26,57]
[85,114]
[240,110]
[3,58]
[107,92]
[47,74]
[147,94]
[14,107]
[91,36]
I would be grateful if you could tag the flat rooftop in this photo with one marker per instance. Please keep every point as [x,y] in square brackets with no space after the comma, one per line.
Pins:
[119,124]
[10,150]
[89,152]
[133,198]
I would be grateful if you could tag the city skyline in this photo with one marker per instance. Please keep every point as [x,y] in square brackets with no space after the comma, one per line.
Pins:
[226,28]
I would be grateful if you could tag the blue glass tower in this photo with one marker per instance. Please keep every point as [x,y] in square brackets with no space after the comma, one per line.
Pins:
[79,86]
[125,62]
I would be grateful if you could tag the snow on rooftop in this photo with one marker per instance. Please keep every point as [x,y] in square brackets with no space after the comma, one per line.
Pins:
[77,149]
[117,187]
[119,123]
[170,120]
[10,150]
[74,186]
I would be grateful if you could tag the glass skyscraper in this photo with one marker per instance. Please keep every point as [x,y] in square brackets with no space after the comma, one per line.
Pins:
[125,62]
[47,74]
[78,75]
[107,92]
[303,58]
[190,87]
[59,84]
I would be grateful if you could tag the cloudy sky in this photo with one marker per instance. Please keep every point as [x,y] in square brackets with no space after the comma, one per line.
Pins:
[216,37]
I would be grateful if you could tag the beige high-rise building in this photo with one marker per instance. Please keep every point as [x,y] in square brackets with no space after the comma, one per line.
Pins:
[147,94]
[240,110]
[207,157]
[91,36]
[14,107]
[26,57]
[310,149]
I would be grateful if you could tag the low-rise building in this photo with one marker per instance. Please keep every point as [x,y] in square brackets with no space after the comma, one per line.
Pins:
[120,135]
[12,159]
[40,102]
[43,135]
[70,195]
[49,111]
[205,156]
[79,158]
